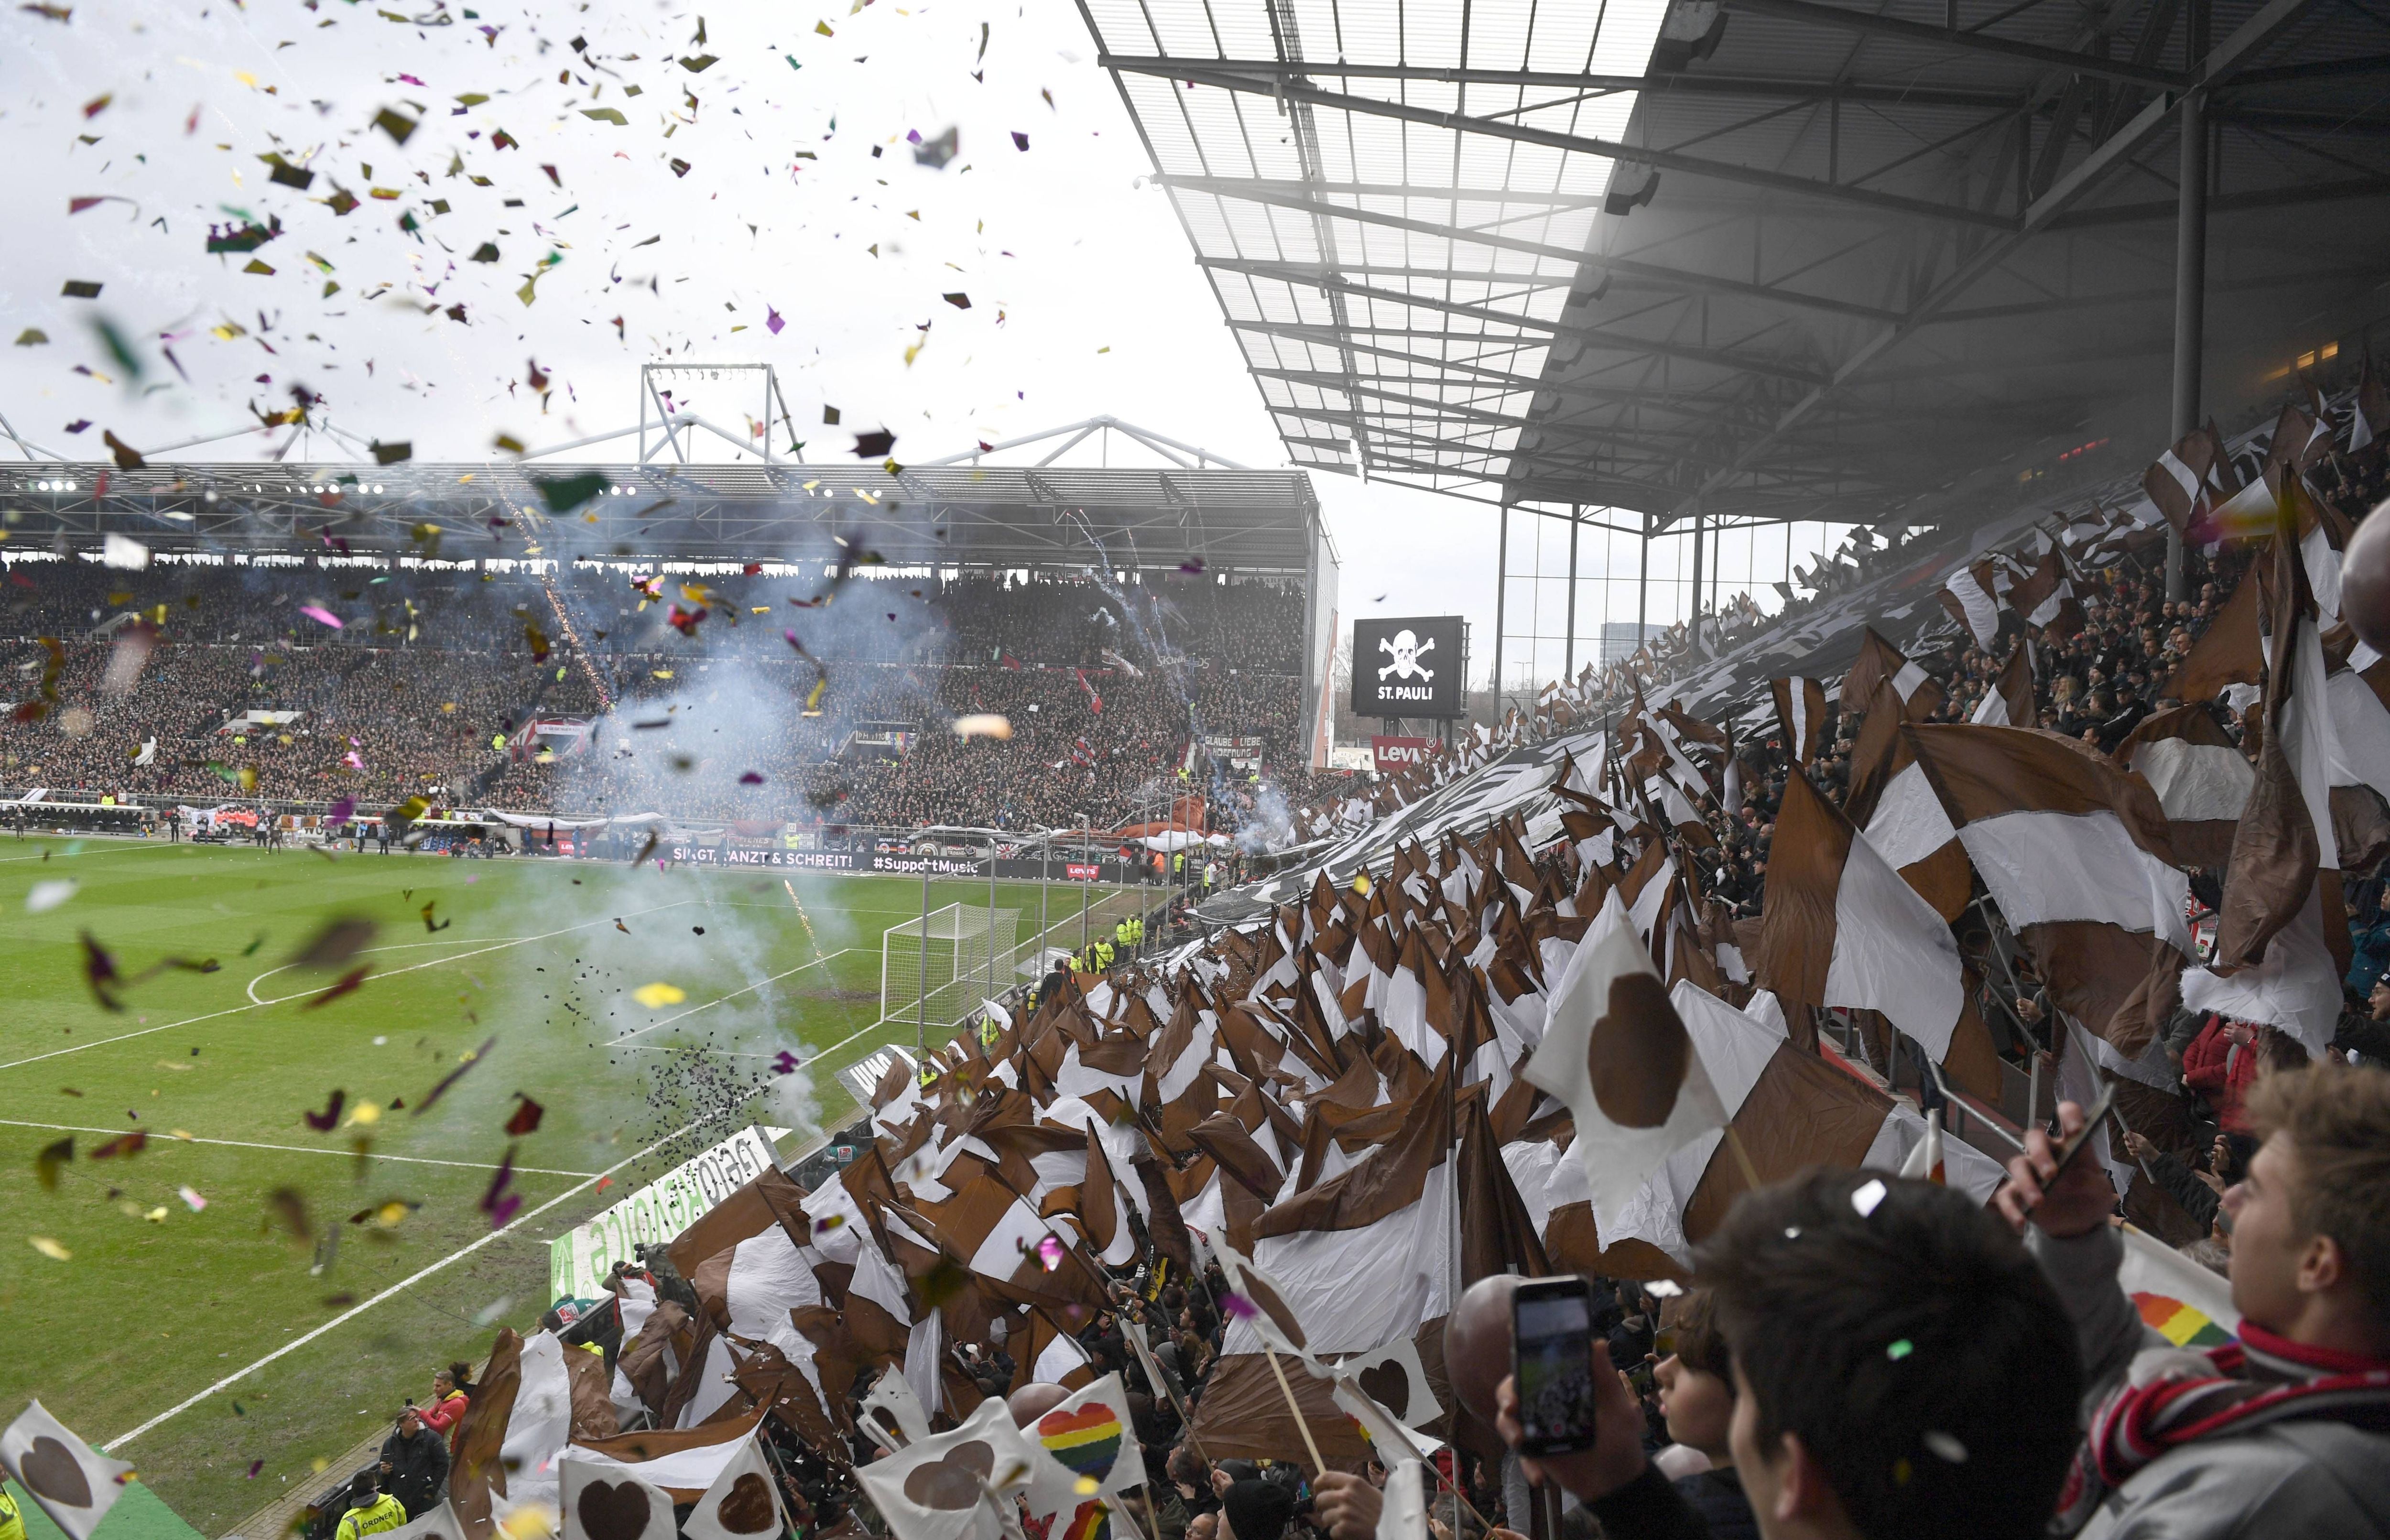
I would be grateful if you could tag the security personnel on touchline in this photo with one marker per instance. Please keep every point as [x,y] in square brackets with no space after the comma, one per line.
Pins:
[371,1510]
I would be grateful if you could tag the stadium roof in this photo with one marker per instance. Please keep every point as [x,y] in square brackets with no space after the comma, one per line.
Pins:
[1776,259]
[976,516]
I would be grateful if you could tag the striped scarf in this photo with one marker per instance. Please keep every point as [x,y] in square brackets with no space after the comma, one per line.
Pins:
[2176,1396]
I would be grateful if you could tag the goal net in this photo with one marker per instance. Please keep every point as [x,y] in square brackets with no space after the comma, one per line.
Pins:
[969,953]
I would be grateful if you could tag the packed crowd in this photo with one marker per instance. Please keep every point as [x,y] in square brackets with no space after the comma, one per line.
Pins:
[1238,1237]
[423,687]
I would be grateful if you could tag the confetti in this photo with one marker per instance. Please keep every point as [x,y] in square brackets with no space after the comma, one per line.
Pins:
[1865,1197]
[335,944]
[46,1164]
[1945,1447]
[49,1247]
[317,612]
[464,1062]
[330,1118]
[99,972]
[659,995]
[191,1199]
[1898,1350]
[45,896]
[984,724]
[526,1117]
[497,1202]
[397,124]
[348,983]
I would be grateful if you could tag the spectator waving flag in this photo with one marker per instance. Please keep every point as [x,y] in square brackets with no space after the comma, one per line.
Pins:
[74,1483]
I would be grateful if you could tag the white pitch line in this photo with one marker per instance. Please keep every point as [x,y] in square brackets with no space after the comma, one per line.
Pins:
[293,1148]
[732,995]
[401,1286]
[235,1010]
[394,946]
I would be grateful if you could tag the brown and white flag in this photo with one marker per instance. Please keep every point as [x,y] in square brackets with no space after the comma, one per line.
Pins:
[1839,927]
[1801,713]
[2275,962]
[1363,1256]
[2045,596]
[2074,852]
[2228,652]
[1878,659]
[2369,417]
[1615,1052]
[1909,829]
[1971,596]
[2189,479]
[2201,778]
[2010,704]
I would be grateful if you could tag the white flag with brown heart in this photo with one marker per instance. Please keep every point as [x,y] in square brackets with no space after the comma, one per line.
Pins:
[1395,1378]
[1616,1051]
[74,1483]
[602,1501]
[742,1504]
[952,1485]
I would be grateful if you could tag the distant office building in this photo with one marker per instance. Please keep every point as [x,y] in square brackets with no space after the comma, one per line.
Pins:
[1620,638]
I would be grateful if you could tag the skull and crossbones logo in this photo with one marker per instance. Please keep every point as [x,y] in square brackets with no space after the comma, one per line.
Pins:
[1405,648]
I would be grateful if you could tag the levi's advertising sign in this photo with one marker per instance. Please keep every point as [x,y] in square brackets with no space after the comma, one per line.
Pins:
[1391,755]
[1407,667]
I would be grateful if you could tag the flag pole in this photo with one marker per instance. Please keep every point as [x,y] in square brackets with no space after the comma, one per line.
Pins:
[1742,1157]
[1318,1464]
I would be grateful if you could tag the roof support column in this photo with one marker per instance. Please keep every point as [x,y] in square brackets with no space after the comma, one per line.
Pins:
[1501,594]
[1693,600]
[1643,588]
[2189,272]
[1568,652]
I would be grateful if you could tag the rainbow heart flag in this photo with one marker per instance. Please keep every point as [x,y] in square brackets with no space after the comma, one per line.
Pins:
[2178,1322]
[1086,1441]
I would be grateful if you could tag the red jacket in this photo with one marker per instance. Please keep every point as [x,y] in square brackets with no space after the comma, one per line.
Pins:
[442,1415]
[2222,1071]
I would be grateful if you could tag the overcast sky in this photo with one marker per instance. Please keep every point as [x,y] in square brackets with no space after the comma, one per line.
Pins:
[741,187]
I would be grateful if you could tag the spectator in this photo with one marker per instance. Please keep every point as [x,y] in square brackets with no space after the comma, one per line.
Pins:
[2287,1431]
[451,1392]
[1697,1398]
[2221,1064]
[413,1463]
[1901,1369]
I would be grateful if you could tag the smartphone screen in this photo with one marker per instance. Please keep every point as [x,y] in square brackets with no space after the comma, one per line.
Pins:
[1552,1326]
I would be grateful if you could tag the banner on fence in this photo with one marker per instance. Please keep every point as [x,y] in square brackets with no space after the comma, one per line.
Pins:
[579,1259]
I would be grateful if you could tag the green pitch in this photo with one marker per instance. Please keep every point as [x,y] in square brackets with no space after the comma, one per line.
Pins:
[156,1300]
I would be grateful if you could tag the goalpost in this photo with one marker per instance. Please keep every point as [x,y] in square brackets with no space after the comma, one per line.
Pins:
[939,980]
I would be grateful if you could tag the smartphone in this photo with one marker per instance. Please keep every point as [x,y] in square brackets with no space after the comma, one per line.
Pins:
[2073,1142]
[1552,1358]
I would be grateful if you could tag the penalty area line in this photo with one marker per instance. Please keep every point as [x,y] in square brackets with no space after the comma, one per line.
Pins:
[256,1005]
